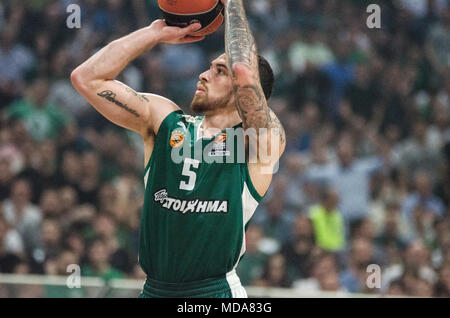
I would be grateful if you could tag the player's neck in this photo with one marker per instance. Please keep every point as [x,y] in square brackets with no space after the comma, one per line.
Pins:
[221,119]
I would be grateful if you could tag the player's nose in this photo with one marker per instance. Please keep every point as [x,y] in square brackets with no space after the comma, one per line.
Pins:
[203,76]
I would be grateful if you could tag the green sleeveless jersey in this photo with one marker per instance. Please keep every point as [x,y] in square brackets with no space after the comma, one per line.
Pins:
[197,203]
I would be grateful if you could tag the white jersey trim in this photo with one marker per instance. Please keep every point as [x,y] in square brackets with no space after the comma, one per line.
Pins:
[237,290]
[146,178]
[249,205]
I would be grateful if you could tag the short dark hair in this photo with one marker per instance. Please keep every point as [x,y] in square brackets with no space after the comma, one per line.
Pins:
[266,76]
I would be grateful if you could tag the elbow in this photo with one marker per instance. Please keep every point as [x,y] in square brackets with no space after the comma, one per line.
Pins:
[76,78]
[81,82]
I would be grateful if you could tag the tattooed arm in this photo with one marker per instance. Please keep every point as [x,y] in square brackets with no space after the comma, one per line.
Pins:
[94,79]
[243,61]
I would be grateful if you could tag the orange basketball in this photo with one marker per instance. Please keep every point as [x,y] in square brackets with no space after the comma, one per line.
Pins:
[181,13]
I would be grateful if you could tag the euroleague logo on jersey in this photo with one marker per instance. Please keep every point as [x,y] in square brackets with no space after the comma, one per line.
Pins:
[177,138]
[221,138]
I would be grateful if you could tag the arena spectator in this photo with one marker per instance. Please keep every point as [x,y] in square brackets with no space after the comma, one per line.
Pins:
[68,198]
[274,217]
[61,91]
[361,255]
[105,228]
[75,242]
[16,60]
[396,289]
[89,182]
[98,261]
[70,170]
[10,239]
[421,151]
[437,43]
[329,227]
[6,177]
[49,203]
[329,281]
[390,239]
[351,177]
[340,72]
[443,285]
[21,214]
[252,264]
[61,265]
[421,204]
[295,164]
[275,273]
[322,274]
[51,238]
[42,120]
[298,250]
[416,265]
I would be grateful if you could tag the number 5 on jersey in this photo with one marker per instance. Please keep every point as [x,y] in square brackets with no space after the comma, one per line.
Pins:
[188,164]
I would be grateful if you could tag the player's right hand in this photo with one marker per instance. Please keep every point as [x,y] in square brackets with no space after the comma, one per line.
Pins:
[175,35]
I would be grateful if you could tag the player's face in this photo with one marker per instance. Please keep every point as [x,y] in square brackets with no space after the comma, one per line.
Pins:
[214,89]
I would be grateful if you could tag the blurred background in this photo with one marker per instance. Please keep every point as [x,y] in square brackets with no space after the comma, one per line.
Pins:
[365,178]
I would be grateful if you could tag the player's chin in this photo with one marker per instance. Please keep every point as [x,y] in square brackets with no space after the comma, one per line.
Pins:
[198,104]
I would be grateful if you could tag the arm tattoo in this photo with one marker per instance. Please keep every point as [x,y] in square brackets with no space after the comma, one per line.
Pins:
[251,105]
[276,127]
[241,48]
[141,97]
[239,42]
[111,97]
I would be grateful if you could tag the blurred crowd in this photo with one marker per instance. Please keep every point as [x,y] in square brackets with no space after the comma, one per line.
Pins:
[365,179]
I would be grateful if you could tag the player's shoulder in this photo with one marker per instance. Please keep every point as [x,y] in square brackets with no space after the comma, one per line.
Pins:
[160,106]
[178,116]
[185,121]
[179,120]
[160,110]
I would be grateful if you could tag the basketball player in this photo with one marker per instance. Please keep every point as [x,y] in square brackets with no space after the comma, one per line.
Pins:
[194,216]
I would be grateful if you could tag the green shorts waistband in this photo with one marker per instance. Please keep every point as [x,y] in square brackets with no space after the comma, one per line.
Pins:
[200,288]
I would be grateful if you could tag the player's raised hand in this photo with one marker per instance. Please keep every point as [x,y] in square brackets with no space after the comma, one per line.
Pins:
[175,35]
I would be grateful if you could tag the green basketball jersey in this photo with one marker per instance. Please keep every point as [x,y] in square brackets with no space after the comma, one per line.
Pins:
[195,209]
